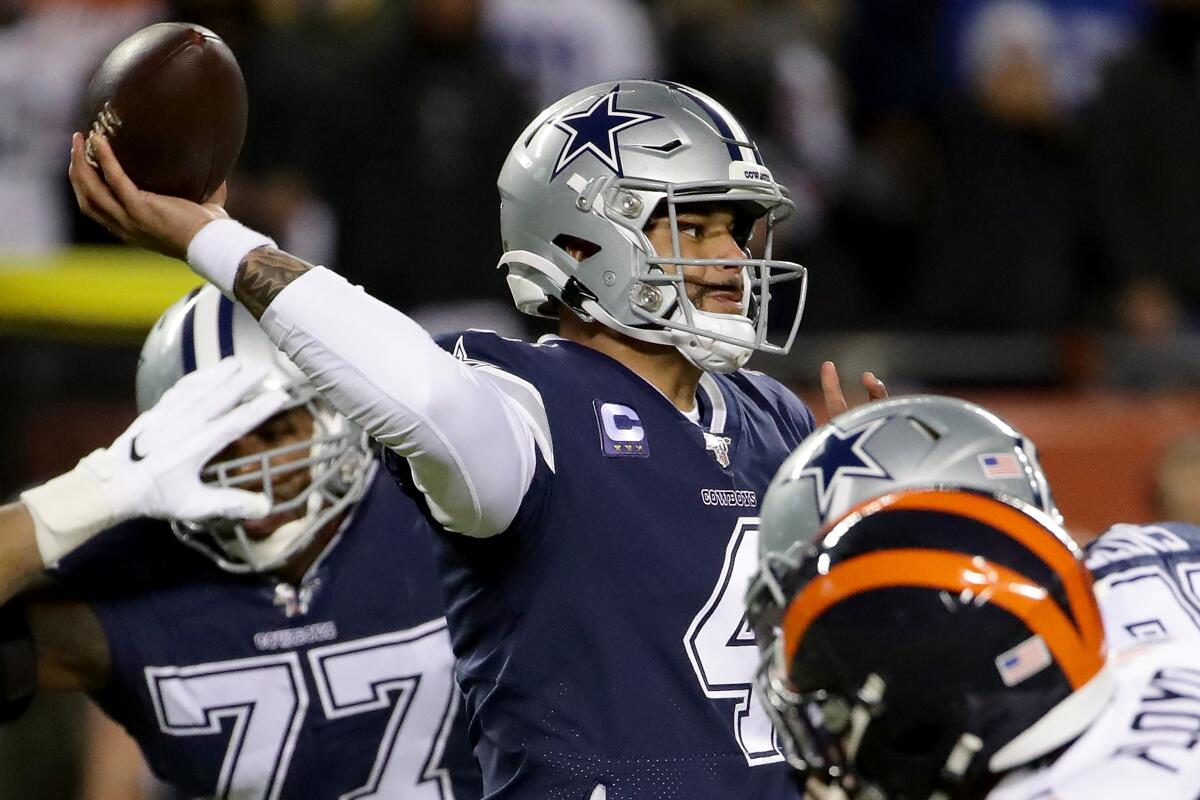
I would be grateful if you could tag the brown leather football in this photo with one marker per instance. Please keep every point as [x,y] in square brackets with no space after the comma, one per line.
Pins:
[172,101]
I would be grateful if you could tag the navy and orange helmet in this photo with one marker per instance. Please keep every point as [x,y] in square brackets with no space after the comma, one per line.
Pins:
[927,642]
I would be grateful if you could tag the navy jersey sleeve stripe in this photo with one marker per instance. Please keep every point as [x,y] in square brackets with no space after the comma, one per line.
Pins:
[225,326]
[188,341]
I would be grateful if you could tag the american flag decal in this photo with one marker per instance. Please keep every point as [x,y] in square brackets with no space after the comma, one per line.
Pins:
[1000,465]
[1023,661]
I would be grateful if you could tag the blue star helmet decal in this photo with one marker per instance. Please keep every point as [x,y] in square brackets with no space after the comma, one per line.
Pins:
[595,131]
[844,454]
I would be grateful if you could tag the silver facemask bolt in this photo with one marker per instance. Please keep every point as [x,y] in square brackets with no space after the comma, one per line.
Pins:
[629,205]
[646,297]
[609,278]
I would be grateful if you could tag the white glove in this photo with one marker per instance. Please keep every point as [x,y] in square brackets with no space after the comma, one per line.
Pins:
[153,468]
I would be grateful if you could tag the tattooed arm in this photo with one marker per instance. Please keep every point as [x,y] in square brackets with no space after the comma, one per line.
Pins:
[383,371]
[468,442]
[262,275]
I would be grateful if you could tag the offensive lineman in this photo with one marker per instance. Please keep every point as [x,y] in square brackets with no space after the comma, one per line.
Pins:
[596,490]
[298,647]
[940,636]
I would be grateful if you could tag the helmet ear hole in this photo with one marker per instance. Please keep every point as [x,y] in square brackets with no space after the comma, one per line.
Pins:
[577,248]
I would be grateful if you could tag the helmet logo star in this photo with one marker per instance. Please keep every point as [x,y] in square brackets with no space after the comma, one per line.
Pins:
[843,454]
[595,131]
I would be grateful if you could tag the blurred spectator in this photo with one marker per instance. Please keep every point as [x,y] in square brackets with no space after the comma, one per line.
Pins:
[720,47]
[892,58]
[1094,32]
[48,51]
[412,170]
[773,64]
[1177,481]
[1089,33]
[294,55]
[1144,129]
[1010,243]
[558,46]
[887,52]
[809,143]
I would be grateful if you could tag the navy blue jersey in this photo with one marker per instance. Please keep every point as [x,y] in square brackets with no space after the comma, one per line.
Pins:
[352,695]
[1148,582]
[602,639]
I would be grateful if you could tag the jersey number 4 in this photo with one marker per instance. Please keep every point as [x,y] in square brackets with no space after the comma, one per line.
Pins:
[265,700]
[722,650]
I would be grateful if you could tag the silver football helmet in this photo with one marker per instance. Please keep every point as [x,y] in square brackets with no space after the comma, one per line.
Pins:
[922,441]
[591,171]
[198,331]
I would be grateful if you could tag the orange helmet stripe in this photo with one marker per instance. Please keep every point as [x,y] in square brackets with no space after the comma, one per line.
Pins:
[951,572]
[1077,581]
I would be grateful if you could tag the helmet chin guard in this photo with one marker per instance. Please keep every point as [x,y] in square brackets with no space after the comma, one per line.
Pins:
[593,169]
[710,353]
[337,459]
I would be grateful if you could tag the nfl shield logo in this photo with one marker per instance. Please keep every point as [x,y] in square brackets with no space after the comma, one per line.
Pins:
[718,446]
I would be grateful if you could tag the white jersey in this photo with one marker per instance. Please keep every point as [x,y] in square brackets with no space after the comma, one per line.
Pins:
[1143,745]
[1146,743]
[1148,583]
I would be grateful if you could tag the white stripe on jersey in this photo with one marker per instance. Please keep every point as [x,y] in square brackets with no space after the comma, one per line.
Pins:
[1145,744]
[716,400]
[527,401]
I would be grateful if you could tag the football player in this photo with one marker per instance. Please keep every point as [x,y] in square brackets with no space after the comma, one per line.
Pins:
[596,491]
[291,643]
[930,631]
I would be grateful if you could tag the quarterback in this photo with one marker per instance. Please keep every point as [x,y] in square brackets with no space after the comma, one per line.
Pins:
[596,491]
[930,631]
[297,646]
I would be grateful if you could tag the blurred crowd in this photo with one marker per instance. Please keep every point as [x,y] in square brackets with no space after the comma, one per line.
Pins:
[958,167]
[963,165]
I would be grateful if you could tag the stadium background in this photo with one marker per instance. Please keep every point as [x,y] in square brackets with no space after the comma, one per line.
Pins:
[995,198]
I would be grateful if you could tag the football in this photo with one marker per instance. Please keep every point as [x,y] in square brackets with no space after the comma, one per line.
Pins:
[172,101]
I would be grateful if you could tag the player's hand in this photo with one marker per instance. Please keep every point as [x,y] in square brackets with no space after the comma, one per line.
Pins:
[153,468]
[831,387]
[816,790]
[145,219]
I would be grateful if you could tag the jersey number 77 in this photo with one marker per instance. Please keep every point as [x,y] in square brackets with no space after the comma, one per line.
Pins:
[262,703]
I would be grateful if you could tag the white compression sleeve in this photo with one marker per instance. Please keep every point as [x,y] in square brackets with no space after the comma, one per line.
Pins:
[471,450]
